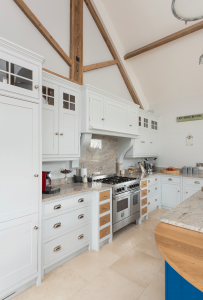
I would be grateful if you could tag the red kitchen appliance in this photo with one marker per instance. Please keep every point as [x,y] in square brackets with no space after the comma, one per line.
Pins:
[47,187]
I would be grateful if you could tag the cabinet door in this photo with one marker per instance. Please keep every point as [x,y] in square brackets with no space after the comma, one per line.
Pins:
[18,250]
[50,126]
[154,142]
[116,116]
[145,136]
[19,159]
[171,194]
[68,122]
[189,191]
[96,111]
[133,121]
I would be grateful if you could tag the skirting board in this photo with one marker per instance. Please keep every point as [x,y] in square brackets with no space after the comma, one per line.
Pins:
[20,290]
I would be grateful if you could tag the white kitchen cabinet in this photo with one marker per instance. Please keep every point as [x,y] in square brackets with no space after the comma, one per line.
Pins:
[170,195]
[146,145]
[60,119]
[18,251]
[96,111]
[20,72]
[189,191]
[19,159]
[103,113]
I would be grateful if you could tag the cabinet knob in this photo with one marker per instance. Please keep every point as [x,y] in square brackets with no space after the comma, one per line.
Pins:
[102,119]
[80,216]
[105,196]
[81,237]
[148,203]
[105,232]
[186,192]
[178,191]
[197,182]
[57,206]
[105,220]
[36,87]
[155,179]
[155,188]
[130,125]
[155,199]
[57,225]
[148,191]
[36,175]
[61,133]
[150,142]
[58,248]
[56,133]
[35,228]
[105,207]
[81,200]
[149,181]
[170,179]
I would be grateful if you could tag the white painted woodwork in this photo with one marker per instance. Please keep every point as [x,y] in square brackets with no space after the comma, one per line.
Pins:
[171,194]
[96,111]
[69,243]
[189,191]
[19,159]
[153,189]
[68,221]
[50,123]
[195,182]
[133,120]
[153,202]
[154,142]
[145,140]
[50,209]
[152,180]
[18,250]
[116,116]
[171,179]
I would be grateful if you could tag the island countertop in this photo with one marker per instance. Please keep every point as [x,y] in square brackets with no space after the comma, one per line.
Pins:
[71,189]
[188,214]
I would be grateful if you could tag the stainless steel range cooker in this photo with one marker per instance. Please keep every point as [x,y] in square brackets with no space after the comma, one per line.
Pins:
[126,199]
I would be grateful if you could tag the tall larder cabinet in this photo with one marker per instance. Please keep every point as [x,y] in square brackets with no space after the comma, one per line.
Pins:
[20,168]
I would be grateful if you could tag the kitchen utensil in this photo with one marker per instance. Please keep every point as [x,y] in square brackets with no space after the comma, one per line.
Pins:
[83,172]
[77,178]
[143,170]
[89,178]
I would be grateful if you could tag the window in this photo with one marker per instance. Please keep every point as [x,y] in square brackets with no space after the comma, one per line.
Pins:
[154,125]
[15,75]
[145,123]
[68,101]
[140,121]
[47,95]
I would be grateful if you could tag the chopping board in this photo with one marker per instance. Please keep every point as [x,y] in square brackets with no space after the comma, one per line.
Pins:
[170,172]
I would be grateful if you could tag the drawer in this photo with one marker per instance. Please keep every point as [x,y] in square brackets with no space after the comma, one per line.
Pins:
[153,189]
[65,222]
[104,232]
[143,193]
[105,219]
[152,180]
[144,184]
[104,195]
[196,182]
[153,201]
[144,201]
[144,210]
[104,207]
[66,244]
[171,179]
[64,204]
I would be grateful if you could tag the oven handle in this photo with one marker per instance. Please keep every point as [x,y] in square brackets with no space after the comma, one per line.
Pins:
[122,196]
[136,192]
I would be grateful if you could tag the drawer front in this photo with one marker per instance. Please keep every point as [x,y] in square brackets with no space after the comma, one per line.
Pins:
[64,204]
[65,222]
[171,179]
[144,201]
[152,180]
[196,182]
[105,219]
[153,201]
[104,207]
[104,232]
[144,184]
[62,246]
[144,210]
[143,193]
[104,195]
[153,189]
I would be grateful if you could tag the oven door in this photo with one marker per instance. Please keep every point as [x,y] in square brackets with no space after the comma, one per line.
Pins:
[135,202]
[121,207]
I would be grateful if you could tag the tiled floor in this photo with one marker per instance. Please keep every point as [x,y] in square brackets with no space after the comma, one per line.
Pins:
[130,268]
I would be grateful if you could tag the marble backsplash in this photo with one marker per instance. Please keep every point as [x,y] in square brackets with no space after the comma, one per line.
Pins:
[100,155]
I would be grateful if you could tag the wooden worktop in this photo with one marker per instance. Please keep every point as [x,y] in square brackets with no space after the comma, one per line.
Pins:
[183,251]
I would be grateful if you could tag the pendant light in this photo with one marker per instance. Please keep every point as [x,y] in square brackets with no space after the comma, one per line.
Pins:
[187,10]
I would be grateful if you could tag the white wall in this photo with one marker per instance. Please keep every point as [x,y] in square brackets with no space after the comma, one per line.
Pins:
[174,151]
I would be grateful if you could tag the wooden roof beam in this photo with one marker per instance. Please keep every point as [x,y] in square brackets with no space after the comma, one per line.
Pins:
[99,65]
[165,40]
[21,4]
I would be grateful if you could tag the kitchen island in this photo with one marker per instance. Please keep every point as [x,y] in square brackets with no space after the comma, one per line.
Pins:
[179,237]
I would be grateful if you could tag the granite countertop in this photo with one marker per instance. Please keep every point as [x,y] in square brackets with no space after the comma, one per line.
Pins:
[188,214]
[71,189]
[142,176]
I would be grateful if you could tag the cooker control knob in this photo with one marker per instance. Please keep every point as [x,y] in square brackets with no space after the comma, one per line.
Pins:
[125,187]
[122,189]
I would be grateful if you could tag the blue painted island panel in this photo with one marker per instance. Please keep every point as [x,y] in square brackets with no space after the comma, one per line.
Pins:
[177,288]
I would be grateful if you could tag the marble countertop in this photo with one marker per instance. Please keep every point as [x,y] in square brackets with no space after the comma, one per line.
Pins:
[142,176]
[188,214]
[71,189]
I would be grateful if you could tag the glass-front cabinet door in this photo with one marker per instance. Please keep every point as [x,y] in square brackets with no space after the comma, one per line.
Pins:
[19,76]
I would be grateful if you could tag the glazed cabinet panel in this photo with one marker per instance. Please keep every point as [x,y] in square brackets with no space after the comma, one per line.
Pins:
[19,159]
[18,250]
[50,126]
[68,122]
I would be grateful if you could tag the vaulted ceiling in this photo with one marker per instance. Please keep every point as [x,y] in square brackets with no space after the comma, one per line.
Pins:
[166,73]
